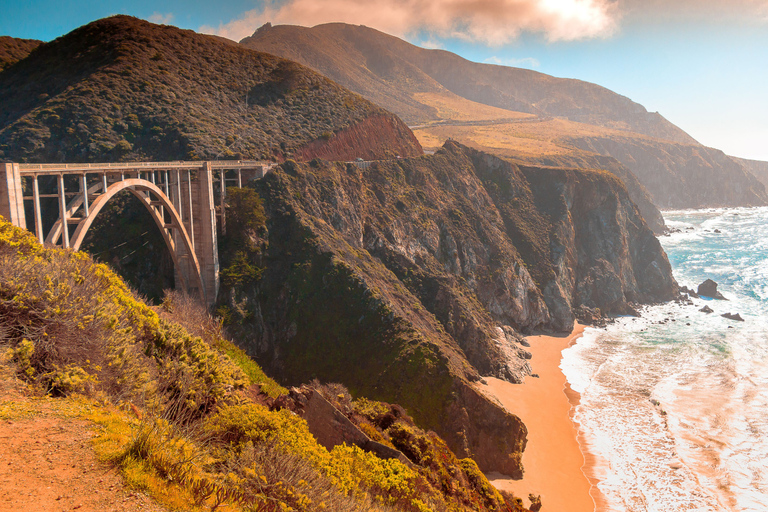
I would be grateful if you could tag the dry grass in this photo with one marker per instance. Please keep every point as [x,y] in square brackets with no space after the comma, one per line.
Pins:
[525,138]
[456,108]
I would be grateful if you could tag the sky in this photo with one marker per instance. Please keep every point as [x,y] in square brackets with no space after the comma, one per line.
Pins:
[703,64]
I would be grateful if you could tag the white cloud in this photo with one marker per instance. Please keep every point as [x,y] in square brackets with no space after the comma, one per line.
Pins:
[161,18]
[492,22]
[432,44]
[691,11]
[525,62]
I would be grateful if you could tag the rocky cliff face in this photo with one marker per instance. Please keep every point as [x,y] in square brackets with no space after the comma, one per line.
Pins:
[584,160]
[757,168]
[682,176]
[375,137]
[412,278]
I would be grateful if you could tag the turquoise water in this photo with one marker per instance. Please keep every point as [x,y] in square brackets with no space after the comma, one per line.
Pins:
[674,405]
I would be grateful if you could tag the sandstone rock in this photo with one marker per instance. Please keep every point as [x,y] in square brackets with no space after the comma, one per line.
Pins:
[332,428]
[709,289]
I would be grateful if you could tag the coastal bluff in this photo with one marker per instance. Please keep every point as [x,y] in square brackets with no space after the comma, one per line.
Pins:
[410,279]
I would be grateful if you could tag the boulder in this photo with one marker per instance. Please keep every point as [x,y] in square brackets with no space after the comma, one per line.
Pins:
[709,289]
[691,293]
[589,316]
[706,309]
[733,316]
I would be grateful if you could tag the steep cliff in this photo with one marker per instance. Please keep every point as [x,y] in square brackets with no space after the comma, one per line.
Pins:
[412,278]
[586,160]
[679,175]
[757,168]
[124,89]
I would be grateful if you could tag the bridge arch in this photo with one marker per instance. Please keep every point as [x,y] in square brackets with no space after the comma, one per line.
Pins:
[54,235]
[142,190]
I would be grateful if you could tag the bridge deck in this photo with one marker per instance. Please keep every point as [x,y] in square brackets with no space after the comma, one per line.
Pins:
[31,169]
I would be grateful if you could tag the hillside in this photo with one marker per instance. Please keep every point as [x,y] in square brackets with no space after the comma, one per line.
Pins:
[185,416]
[122,88]
[519,113]
[411,279]
[13,50]
[390,71]
[757,168]
[682,176]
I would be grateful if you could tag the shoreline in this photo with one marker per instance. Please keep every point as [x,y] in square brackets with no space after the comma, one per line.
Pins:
[557,465]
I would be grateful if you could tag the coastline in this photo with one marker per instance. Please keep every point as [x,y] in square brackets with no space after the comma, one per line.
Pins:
[555,462]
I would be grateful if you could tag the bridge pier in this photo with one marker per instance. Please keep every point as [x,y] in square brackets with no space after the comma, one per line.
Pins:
[12,195]
[206,243]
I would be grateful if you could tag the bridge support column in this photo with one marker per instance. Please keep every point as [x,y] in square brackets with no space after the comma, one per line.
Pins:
[206,244]
[12,195]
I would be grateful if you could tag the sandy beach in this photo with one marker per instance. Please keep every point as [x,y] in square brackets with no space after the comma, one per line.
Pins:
[554,462]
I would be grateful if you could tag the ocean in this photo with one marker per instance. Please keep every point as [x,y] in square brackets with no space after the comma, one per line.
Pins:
[674,405]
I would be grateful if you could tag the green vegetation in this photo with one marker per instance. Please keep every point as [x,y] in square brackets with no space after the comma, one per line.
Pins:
[13,50]
[124,89]
[198,442]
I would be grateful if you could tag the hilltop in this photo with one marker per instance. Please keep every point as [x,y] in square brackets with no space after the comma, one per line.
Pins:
[519,113]
[122,88]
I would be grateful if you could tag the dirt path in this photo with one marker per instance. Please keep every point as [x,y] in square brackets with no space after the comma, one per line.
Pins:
[47,464]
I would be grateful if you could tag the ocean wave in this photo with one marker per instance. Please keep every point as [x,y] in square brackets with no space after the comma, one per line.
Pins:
[673,404]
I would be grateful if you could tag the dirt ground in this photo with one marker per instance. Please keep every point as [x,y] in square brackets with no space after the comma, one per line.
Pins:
[47,464]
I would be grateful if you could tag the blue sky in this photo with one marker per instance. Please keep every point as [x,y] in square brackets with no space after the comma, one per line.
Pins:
[703,64]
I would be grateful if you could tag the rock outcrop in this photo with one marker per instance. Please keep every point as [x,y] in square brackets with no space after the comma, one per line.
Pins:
[584,160]
[408,279]
[375,137]
[709,289]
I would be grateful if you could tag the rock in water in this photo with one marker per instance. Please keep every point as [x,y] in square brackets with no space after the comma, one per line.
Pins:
[709,289]
[706,309]
[691,293]
[733,316]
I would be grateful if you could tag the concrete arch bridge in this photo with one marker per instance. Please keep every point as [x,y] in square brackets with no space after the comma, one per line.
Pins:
[181,197]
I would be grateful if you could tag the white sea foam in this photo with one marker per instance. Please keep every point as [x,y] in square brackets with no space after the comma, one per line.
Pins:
[674,405]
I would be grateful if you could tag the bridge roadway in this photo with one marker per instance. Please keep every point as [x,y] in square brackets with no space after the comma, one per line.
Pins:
[31,169]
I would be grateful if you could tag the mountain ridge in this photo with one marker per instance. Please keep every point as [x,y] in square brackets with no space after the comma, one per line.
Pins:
[394,61]
[121,88]
[443,93]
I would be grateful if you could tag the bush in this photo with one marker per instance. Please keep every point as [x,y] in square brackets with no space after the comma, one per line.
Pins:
[72,325]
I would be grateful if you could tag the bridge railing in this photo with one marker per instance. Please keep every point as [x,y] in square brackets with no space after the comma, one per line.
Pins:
[27,169]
